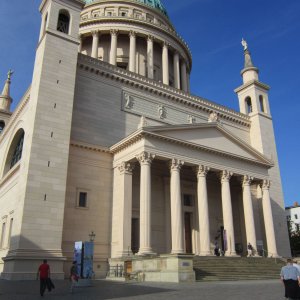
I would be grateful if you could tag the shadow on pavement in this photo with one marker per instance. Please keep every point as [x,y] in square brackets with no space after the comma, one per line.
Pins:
[101,290]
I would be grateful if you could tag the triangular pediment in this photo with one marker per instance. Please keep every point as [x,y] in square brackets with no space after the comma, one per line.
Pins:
[210,136]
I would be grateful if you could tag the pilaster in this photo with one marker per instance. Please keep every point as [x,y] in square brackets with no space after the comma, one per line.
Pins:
[150,57]
[268,219]
[227,213]
[203,211]
[132,51]
[125,207]
[145,159]
[113,47]
[165,63]
[95,44]
[248,212]
[176,207]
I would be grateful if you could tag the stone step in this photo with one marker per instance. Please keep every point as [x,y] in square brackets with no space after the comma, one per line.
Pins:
[238,268]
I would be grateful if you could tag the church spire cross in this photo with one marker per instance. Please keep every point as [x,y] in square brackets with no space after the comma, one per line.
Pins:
[10,72]
[245,45]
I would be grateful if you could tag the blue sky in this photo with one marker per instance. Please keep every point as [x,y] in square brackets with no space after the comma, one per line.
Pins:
[213,29]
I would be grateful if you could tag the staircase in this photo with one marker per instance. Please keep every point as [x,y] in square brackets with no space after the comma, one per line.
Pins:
[236,268]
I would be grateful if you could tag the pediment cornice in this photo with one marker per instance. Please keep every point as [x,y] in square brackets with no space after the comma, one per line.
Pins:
[153,132]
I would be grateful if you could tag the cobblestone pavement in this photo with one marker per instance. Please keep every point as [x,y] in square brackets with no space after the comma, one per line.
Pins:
[103,289]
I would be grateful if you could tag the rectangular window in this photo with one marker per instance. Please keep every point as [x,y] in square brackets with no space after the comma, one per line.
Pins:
[296,216]
[10,231]
[187,200]
[2,235]
[82,199]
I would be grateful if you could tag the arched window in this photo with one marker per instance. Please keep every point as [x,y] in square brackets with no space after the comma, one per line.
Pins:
[261,103]
[63,22]
[2,125]
[15,150]
[248,105]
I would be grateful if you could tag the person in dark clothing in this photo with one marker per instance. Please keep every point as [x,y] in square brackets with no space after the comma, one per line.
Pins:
[290,276]
[73,276]
[44,274]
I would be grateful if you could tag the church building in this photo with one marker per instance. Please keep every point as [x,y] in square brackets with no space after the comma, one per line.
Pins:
[109,139]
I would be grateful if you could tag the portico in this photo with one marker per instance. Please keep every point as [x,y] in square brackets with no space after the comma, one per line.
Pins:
[185,190]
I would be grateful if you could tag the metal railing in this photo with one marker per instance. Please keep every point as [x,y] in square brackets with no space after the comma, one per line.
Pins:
[116,271]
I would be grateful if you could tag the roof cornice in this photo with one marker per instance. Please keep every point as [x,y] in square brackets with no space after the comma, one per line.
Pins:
[107,70]
[25,99]
[252,82]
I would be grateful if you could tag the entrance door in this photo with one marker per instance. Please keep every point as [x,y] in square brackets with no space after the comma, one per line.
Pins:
[188,232]
[135,235]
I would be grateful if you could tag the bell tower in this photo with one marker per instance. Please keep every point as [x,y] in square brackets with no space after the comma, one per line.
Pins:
[47,127]
[5,102]
[254,102]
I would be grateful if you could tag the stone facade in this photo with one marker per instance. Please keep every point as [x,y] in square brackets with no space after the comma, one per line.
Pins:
[113,142]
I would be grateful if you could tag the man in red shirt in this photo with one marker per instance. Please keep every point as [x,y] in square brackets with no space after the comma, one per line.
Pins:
[44,272]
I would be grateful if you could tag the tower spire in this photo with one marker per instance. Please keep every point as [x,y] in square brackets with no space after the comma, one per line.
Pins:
[250,72]
[5,99]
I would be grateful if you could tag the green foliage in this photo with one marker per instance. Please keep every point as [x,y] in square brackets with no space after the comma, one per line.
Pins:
[294,236]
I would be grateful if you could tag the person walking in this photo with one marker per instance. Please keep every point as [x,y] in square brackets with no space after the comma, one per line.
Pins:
[44,274]
[73,276]
[290,276]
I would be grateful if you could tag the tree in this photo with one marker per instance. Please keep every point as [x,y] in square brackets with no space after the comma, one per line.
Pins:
[294,235]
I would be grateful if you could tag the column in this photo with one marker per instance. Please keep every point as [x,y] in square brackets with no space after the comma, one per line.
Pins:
[150,57]
[176,71]
[188,83]
[80,43]
[145,159]
[227,213]
[113,47]
[167,220]
[248,212]
[95,44]
[125,208]
[132,51]
[203,211]
[268,219]
[165,63]
[184,76]
[176,208]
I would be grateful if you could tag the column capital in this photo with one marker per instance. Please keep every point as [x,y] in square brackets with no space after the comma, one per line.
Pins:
[265,185]
[176,164]
[166,44]
[176,53]
[114,32]
[150,38]
[145,157]
[95,32]
[126,167]
[202,171]
[225,176]
[246,180]
[132,34]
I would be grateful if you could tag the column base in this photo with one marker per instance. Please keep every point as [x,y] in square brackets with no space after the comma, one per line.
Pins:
[205,253]
[22,264]
[274,256]
[124,253]
[146,252]
[181,251]
[231,254]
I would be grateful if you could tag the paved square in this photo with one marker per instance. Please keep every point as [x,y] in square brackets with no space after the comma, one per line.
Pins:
[103,289]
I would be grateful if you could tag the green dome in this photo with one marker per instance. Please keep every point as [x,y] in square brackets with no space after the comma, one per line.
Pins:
[153,3]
